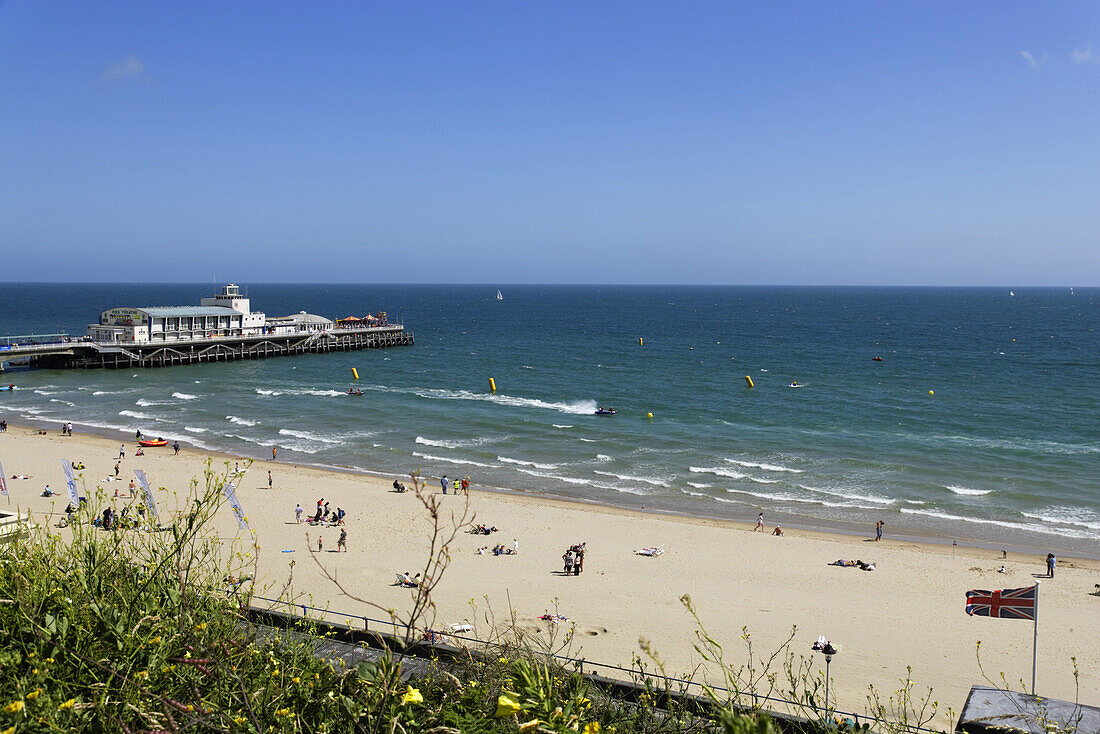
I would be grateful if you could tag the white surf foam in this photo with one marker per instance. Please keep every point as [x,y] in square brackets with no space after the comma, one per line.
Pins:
[589,440]
[765,467]
[968,491]
[558,426]
[240,421]
[272,393]
[143,403]
[184,396]
[191,429]
[848,493]
[63,402]
[521,462]
[718,471]
[139,415]
[45,392]
[577,407]
[699,485]
[457,443]
[308,436]
[603,457]
[450,460]
[655,481]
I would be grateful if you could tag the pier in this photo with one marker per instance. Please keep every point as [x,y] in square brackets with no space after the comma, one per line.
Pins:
[61,352]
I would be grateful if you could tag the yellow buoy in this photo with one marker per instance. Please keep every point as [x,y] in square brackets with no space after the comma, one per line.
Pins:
[355,373]
[931,393]
[639,341]
[492,385]
[748,379]
[648,415]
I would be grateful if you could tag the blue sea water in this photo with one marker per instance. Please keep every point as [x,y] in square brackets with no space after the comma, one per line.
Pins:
[1005,452]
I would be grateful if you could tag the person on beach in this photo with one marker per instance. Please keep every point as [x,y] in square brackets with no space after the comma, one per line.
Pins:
[116,468]
[443,483]
[342,541]
[778,531]
[759,523]
[269,480]
[568,558]
[515,546]
[298,514]
[466,486]
[273,452]
[122,452]
[139,434]
[176,448]
[320,544]
[878,530]
[132,488]
[1051,562]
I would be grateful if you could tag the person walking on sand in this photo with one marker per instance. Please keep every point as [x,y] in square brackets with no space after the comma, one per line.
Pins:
[116,468]
[1051,562]
[878,530]
[443,483]
[759,523]
[132,487]
[176,448]
[466,486]
[298,514]
[342,541]
[320,544]
[122,452]
[269,480]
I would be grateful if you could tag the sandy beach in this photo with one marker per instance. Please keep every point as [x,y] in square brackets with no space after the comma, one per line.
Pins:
[909,611]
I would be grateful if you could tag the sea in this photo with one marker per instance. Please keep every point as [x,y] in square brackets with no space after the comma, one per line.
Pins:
[980,425]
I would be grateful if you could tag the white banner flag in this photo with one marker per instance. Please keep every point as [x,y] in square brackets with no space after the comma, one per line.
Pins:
[3,482]
[231,495]
[150,503]
[74,499]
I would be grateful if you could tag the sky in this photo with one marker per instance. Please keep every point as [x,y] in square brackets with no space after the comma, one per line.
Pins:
[845,143]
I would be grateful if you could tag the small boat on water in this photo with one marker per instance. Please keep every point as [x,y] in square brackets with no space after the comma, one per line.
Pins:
[606,411]
[354,392]
[500,297]
[8,388]
[148,442]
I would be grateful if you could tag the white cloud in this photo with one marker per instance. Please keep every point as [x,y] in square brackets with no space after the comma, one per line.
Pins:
[130,68]
[1085,55]
[1031,61]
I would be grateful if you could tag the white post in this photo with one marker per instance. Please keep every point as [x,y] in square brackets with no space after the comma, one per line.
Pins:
[1035,644]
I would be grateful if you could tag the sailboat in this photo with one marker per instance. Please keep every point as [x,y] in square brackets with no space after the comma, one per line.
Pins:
[499,296]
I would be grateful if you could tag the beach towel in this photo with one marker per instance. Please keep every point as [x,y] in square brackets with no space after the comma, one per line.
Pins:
[650,551]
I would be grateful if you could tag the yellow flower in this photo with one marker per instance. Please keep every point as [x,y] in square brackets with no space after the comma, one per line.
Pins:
[506,706]
[14,707]
[528,725]
[295,679]
[33,694]
[283,712]
[503,660]
[583,702]
[155,640]
[275,672]
[143,674]
[49,660]
[412,696]
[9,730]
[592,728]
[67,705]
[239,720]
[200,627]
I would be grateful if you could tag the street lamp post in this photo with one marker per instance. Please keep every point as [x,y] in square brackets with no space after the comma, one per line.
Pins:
[828,651]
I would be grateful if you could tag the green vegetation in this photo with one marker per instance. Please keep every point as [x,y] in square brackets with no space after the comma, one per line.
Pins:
[138,630]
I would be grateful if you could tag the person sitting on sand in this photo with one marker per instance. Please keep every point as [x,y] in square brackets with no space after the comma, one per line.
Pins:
[410,581]
[778,531]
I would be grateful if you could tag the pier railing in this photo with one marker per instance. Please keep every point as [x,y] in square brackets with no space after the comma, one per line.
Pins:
[627,678]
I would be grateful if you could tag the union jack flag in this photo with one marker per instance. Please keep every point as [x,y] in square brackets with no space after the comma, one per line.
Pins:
[1006,603]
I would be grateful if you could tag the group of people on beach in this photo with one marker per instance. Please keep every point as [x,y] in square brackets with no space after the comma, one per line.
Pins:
[457,485]
[324,516]
[574,559]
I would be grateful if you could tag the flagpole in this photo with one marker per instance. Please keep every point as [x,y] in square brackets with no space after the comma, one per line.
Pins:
[1035,644]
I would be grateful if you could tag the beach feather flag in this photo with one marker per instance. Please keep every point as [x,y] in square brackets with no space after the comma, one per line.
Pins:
[70,477]
[231,495]
[1005,603]
[150,503]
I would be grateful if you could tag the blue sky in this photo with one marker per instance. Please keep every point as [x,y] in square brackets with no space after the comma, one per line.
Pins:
[609,142]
